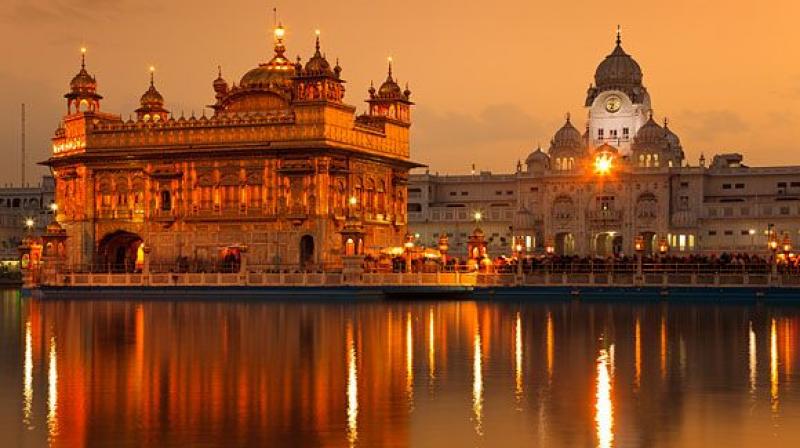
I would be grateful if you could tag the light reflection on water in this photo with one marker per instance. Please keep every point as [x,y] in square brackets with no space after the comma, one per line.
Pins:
[344,374]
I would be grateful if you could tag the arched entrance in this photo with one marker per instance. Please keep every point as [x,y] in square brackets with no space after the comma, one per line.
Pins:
[306,251]
[121,251]
[565,244]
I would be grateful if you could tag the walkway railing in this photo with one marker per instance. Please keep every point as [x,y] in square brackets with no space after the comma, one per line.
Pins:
[699,278]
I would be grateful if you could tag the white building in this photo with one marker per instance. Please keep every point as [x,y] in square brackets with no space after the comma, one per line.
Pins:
[625,176]
[19,204]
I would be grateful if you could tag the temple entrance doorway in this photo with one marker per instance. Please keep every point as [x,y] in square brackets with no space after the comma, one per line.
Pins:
[306,251]
[121,251]
[607,244]
[565,244]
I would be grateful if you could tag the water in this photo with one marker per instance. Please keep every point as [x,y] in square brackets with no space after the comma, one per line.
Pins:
[383,374]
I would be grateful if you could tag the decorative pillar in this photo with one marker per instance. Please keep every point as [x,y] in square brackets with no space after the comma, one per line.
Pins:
[352,249]
[54,251]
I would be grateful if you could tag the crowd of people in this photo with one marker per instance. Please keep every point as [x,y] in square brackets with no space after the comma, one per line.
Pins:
[730,263]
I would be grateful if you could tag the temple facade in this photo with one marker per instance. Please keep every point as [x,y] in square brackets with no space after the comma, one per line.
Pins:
[623,178]
[280,169]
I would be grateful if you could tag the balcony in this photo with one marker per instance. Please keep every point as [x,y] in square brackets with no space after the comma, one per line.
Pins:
[604,215]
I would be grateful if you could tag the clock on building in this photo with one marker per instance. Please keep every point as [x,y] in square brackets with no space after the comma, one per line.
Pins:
[613,104]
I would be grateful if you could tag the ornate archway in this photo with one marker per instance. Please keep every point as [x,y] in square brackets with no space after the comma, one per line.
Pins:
[120,251]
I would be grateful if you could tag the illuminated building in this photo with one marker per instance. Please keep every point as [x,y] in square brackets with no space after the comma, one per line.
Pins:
[595,192]
[273,171]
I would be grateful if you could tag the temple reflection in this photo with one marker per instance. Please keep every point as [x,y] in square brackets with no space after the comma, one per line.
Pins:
[753,358]
[477,384]
[773,366]
[247,372]
[352,388]
[27,385]
[52,390]
[604,411]
[518,359]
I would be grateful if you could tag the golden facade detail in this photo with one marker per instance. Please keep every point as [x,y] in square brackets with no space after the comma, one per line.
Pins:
[278,166]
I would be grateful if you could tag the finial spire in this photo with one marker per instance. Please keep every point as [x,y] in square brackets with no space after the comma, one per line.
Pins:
[390,66]
[317,44]
[619,35]
[568,117]
[152,75]
[219,71]
[83,57]
[666,122]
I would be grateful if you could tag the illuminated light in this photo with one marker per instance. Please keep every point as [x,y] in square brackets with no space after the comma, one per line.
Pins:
[279,32]
[29,222]
[604,409]
[638,349]
[431,347]
[152,69]
[518,359]
[352,388]
[52,391]
[409,362]
[27,381]
[773,366]
[353,200]
[54,207]
[317,32]
[478,216]
[83,50]
[477,385]
[753,359]
[603,164]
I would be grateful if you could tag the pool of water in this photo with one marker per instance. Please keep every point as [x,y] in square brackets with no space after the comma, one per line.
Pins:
[394,374]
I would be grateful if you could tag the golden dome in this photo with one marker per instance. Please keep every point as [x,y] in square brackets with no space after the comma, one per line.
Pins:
[277,72]
[83,82]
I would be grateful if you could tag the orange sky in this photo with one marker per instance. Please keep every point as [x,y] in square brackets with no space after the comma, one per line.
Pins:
[491,79]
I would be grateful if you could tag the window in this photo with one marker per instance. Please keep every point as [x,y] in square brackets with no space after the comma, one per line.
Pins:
[600,133]
[794,184]
[625,132]
[744,232]
[728,232]
[727,212]
[612,133]
[684,184]
[726,186]
[498,193]
[166,201]
[739,186]
[712,232]
[784,210]
[452,193]
[509,192]
[464,193]
[781,184]
[535,189]
[414,207]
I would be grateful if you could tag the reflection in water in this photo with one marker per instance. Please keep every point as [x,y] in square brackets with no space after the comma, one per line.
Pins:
[52,391]
[352,388]
[27,382]
[604,413]
[550,346]
[518,358]
[773,366]
[431,348]
[753,358]
[409,362]
[477,384]
[341,374]
[663,346]
[637,381]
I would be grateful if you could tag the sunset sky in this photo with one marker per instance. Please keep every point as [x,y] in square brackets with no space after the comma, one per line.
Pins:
[490,79]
